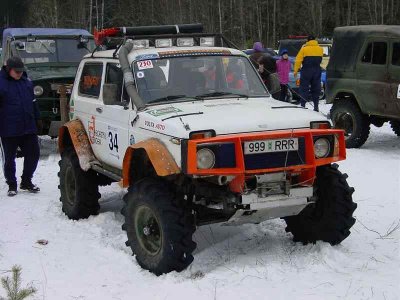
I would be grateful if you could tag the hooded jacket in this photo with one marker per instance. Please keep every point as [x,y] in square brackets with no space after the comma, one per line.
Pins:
[309,56]
[18,107]
[283,70]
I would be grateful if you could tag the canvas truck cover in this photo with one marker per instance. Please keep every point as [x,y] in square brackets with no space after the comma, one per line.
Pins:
[22,32]
[348,40]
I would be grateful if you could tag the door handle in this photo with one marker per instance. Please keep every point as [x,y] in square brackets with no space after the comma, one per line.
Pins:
[99,109]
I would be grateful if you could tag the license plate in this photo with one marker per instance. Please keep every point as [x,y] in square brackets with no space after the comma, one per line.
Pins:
[268,146]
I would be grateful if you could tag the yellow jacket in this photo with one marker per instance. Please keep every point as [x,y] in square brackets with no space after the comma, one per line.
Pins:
[310,55]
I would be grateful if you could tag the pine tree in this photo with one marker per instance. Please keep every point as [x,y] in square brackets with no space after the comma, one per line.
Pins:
[13,286]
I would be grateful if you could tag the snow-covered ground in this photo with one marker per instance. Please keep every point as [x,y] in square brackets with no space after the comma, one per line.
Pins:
[88,259]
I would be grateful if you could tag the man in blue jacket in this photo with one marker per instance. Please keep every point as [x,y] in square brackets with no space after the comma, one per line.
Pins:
[19,114]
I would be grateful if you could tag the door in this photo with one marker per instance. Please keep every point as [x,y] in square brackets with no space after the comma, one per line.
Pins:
[394,75]
[113,119]
[87,107]
[373,90]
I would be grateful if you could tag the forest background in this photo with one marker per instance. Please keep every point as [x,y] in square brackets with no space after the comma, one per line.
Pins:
[241,21]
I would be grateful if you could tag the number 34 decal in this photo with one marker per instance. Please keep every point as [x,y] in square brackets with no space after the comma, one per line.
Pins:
[113,141]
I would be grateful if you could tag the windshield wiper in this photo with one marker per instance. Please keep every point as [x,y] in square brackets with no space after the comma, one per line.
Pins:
[167,98]
[218,94]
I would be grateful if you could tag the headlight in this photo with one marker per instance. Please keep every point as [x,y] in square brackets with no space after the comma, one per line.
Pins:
[205,158]
[38,91]
[322,147]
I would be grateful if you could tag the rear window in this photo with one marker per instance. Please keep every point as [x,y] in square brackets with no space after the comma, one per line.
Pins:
[396,54]
[90,81]
[375,53]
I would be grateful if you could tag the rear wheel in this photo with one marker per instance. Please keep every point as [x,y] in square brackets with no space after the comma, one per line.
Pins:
[79,189]
[330,218]
[346,115]
[395,126]
[158,227]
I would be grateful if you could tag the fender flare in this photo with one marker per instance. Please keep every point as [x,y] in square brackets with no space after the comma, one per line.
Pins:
[80,141]
[163,162]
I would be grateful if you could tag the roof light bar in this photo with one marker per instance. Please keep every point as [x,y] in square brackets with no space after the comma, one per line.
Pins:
[163,43]
[185,42]
[99,36]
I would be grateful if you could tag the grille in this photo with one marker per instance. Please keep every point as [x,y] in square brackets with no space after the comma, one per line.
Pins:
[276,159]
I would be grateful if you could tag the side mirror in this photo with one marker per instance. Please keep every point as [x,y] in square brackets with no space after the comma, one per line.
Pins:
[110,94]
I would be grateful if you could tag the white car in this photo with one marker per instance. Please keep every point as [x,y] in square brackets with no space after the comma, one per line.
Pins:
[190,129]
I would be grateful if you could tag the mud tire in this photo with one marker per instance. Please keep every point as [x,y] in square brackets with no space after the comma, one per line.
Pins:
[395,127]
[331,217]
[172,227]
[79,189]
[360,122]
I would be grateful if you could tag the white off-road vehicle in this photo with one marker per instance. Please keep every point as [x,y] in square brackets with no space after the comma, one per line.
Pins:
[189,128]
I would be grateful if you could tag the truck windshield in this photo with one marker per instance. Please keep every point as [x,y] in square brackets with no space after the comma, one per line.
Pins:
[50,50]
[197,78]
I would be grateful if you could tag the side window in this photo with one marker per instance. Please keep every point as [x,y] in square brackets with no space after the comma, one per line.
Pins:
[396,54]
[375,53]
[90,81]
[115,76]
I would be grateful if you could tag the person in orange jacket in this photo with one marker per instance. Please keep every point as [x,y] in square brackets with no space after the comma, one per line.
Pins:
[309,59]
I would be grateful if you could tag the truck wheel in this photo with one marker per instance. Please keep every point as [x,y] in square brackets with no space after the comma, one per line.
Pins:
[395,126]
[331,216]
[346,115]
[79,189]
[159,230]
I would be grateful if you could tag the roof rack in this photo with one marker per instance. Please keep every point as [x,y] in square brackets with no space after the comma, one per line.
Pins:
[112,38]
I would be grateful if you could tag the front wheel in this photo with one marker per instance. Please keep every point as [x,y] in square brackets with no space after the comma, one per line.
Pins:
[395,127]
[346,115]
[79,189]
[330,218]
[158,227]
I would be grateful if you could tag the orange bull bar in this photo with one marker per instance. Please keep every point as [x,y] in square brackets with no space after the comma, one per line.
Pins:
[306,170]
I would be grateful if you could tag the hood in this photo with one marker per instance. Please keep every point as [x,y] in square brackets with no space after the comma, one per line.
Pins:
[226,116]
[38,72]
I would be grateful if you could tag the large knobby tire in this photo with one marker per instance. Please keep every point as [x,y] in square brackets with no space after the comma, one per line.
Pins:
[330,218]
[79,189]
[395,126]
[346,115]
[159,229]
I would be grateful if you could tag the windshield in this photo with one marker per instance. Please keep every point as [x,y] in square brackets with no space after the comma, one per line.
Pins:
[50,50]
[196,78]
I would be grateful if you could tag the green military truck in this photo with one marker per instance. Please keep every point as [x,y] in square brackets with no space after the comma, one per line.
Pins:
[51,56]
[364,80]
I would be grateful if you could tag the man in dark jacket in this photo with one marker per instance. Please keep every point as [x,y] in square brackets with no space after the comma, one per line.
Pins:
[309,59]
[18,117]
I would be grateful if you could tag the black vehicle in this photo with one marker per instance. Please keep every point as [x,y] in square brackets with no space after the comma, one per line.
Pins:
[51,57]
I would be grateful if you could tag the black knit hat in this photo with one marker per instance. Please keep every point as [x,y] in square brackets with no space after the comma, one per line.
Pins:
[15,63]
[310,37]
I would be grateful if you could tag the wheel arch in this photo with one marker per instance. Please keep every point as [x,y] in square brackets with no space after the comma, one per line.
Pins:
[147,158]
[73,134]
[347,95]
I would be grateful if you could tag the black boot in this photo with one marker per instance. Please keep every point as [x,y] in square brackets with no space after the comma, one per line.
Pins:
[12,190]
[29,186]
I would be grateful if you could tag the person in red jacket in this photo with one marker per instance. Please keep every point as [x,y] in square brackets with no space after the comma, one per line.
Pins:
[283,69]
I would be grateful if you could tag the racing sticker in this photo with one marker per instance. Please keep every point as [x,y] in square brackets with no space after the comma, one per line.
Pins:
[147,56]
[398,92]
[163,111]
[113,141]
[95,136]
[140,74]
[145,64]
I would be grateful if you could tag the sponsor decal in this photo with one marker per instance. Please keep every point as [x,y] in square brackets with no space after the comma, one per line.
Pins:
[140,74]
[95,136]
[222,104]
[131,140]
[147,56]
[71,109]
[145,64]
[398,92]
[163,111]
[91,81]
[154,125]
[113,141]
